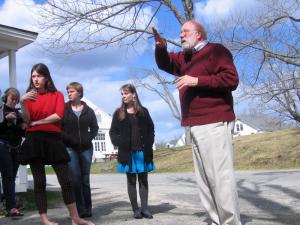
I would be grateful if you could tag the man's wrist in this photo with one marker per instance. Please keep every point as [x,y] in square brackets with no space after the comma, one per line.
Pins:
[196,80]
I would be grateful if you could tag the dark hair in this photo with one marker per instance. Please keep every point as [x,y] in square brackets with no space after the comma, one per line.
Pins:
[9,91]
[42,69]
[77,86]
[138,108]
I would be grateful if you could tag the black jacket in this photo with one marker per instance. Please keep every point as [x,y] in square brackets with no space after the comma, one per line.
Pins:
[11,132]
[120,135]
[77,133]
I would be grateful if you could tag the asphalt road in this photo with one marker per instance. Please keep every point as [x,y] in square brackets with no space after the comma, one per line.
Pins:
[266,198]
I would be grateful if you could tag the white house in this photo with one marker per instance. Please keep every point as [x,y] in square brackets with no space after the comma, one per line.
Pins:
[181,141]
[103,148]
[242,128]
[11,40]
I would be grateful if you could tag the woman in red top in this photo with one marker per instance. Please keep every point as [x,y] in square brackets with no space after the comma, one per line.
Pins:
[42,108]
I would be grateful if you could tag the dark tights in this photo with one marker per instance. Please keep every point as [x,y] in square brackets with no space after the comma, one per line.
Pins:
[143,190]
[39,178]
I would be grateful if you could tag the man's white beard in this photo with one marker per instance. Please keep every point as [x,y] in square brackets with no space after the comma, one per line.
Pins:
[189,42]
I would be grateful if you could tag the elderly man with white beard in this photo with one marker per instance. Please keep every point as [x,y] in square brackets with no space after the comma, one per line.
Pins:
[205,77]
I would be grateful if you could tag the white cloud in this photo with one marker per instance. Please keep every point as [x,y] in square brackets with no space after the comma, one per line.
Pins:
[19,13]
[219,9]
[215,7]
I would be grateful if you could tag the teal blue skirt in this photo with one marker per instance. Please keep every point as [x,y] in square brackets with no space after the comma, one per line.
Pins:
[136,164]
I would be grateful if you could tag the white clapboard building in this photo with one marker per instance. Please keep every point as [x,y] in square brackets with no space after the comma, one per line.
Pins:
[103,148]
[242,128]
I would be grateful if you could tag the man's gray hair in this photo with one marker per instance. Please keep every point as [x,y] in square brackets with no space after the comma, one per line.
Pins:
[199,27]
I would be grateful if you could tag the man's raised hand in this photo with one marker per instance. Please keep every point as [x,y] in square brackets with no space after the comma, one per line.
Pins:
[159,40]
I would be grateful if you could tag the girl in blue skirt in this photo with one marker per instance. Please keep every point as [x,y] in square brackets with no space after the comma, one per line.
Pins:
[132,131]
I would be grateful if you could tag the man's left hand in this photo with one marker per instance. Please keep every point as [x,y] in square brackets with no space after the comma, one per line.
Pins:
[186,80]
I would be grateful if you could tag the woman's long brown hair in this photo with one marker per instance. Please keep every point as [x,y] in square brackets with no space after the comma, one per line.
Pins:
[42,69]
[138,108]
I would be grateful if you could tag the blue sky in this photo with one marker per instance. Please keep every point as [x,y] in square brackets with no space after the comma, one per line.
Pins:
[102,71]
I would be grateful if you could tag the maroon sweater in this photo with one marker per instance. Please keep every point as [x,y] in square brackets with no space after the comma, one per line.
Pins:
[211,100]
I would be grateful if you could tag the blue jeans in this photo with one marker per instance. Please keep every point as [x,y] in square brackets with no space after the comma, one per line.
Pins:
[8,168]
[79,167]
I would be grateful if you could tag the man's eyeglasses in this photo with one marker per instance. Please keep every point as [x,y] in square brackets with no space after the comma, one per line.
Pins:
[187,31]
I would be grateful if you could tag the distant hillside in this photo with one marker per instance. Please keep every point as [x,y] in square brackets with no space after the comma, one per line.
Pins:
[270,150]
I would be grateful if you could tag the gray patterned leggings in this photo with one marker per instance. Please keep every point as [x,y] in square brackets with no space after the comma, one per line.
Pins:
[39,178]
[143,190]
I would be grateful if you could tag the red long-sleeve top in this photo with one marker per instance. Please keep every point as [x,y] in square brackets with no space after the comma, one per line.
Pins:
[211,100]
[45,105]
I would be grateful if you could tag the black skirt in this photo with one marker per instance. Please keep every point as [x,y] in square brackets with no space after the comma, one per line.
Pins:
[45,147]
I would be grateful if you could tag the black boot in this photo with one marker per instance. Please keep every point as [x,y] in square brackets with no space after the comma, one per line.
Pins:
[137,214]
[146,214]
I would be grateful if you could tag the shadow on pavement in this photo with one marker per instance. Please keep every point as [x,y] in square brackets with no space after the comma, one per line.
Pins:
[280,213]
[107,208]
[161,208]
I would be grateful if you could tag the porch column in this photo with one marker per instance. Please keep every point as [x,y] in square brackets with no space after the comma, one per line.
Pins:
[21,179]
[12,68]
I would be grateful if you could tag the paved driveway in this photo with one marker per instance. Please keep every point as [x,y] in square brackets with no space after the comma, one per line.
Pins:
[266,198]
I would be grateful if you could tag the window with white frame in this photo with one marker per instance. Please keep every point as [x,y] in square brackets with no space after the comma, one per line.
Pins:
[103,146]
[97,146]
[100,136]
[239,127]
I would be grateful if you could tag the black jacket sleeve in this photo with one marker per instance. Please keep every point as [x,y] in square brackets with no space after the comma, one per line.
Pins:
[93,126]
[114,131]
[150,126]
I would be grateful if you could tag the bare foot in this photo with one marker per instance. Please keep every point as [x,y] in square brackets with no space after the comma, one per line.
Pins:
[45,220]
[80,221]
[49,223]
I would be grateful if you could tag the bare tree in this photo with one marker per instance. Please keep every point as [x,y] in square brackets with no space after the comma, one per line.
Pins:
[87,24]
[266,43]
[279,93]
[159,86]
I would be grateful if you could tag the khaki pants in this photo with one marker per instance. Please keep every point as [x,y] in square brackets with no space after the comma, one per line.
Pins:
[213,160]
